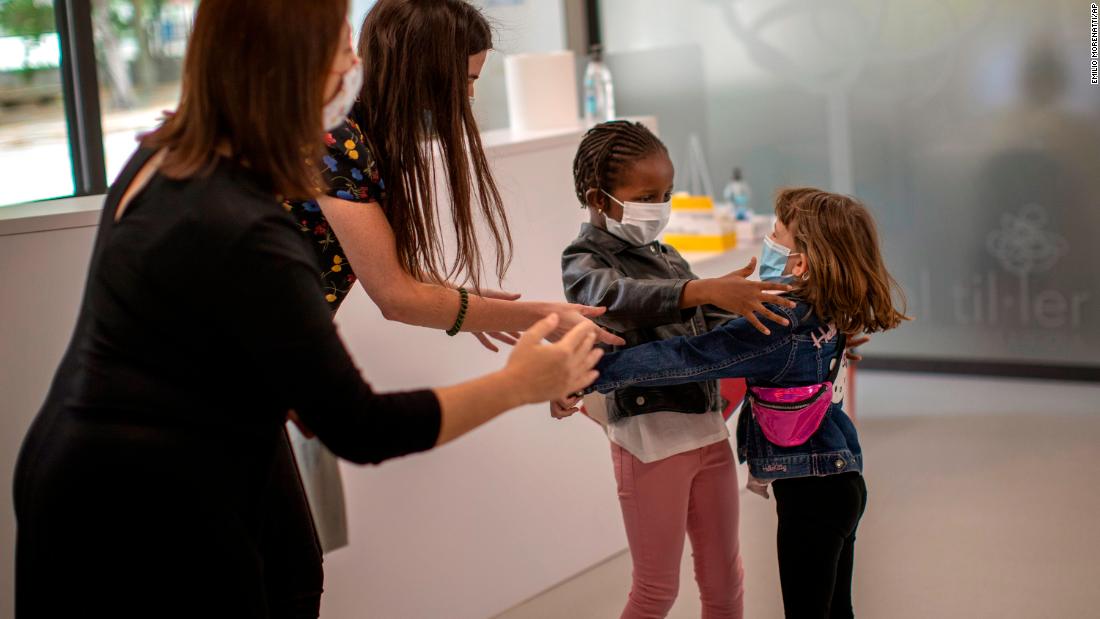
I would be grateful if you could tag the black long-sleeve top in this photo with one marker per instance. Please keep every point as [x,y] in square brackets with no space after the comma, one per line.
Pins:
[203,323]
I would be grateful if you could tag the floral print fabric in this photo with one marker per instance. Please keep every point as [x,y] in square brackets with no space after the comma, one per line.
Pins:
[351,174]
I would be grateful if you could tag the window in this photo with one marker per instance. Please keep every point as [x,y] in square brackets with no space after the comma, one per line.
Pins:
[140,46]
[34,138]
[80,81]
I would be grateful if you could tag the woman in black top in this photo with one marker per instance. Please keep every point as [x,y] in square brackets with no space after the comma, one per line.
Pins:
[141,487]
[420,60]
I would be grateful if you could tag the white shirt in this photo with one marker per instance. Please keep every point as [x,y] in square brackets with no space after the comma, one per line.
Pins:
[656,436]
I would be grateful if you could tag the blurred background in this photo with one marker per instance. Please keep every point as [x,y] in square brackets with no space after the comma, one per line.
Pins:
[969,126]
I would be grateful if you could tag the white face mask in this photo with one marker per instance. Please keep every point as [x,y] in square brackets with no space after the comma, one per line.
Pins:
[336,110]
[642,222]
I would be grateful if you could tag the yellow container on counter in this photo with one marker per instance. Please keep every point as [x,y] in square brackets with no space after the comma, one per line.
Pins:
[696,227]
[684,201]
[702,242]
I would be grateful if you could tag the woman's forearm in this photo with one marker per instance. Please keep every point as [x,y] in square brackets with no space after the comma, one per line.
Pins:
[370,247]
[468,405]
[501,315]
[535,372]
[436,307]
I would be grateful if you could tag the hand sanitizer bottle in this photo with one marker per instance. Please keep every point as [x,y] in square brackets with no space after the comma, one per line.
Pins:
[599,93]
[738,194]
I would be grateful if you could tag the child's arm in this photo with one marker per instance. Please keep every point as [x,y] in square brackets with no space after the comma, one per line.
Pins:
[733,350]
[368,239]
[734,295]
[631,303]
[638,303]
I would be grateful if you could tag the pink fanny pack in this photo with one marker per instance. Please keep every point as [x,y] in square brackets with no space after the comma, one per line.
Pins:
[789,416]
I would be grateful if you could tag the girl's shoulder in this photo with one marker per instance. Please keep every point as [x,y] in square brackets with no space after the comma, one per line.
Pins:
[589,242]
[808,325]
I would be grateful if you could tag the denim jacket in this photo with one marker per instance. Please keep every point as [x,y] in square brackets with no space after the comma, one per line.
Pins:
[641,288]
[792,356]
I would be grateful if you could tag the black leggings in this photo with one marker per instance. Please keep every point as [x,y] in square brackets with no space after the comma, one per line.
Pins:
[818,517]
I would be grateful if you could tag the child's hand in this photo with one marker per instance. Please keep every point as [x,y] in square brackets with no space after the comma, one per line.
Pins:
[735,294]
[756,486]
[855,341]
[560,409]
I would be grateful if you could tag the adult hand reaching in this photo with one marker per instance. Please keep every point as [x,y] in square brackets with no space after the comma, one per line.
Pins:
[572,315]
[510,338]
[542,372]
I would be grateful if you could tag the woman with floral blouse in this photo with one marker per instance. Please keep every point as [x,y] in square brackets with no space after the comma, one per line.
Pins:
[379,224]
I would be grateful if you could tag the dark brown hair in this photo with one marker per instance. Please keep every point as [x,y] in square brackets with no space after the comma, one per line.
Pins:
[848,282]
[417,57]
[253,83]
[607,150]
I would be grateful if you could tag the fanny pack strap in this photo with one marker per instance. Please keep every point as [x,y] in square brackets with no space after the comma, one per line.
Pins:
[841,344]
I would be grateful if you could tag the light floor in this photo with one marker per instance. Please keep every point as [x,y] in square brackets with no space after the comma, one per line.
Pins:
[987,510]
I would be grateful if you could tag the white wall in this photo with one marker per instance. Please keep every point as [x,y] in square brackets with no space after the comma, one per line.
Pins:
[519,26]
[465,531]
[41,281]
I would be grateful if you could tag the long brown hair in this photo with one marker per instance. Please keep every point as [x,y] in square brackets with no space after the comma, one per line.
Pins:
[253,82]
[417,55]
[847,280]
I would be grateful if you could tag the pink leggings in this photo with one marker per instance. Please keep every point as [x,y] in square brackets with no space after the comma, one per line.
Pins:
[695,493]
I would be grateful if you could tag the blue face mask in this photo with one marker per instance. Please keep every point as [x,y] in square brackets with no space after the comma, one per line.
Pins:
[773,261]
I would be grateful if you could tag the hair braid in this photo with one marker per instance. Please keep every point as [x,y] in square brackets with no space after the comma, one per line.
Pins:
[607,150]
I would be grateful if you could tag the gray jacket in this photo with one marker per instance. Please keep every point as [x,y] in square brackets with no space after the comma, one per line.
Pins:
[641,289]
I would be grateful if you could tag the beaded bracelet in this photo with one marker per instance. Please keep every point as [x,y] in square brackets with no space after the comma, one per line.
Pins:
[462,306]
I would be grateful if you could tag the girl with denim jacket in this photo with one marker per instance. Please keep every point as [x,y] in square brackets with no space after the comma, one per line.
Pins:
[670,447]
[827,245]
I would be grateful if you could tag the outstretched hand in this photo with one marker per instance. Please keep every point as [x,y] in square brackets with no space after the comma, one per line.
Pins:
[735,293]
[573,314]
[855,341]
[546,372]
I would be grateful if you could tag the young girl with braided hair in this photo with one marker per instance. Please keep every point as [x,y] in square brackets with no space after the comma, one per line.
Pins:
[669,445]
